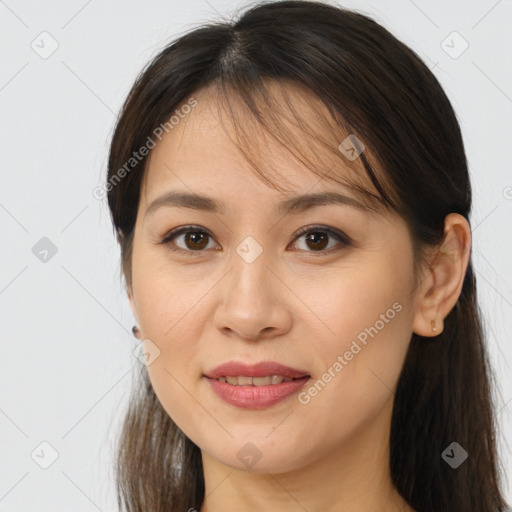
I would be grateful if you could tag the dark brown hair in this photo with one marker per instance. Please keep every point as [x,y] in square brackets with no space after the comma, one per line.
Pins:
[378,89]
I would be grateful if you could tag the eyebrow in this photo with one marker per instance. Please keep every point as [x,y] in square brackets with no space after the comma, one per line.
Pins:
[296,204]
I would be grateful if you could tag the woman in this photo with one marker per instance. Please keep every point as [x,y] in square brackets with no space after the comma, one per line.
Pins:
[291,197]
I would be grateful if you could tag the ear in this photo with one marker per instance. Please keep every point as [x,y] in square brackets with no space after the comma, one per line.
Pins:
[441,286]
[133,306]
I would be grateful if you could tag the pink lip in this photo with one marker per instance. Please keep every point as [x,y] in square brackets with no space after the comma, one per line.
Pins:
[255,397]
[262,369]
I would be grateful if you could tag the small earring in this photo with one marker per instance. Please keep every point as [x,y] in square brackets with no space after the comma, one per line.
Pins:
[433,323]
[135,330]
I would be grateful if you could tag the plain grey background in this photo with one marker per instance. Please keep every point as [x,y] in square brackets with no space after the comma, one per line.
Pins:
[67,360]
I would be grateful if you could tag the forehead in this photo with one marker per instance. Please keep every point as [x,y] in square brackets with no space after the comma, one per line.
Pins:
[207,148]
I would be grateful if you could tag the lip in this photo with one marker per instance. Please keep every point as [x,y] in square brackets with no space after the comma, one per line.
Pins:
[261,369]
[255,397]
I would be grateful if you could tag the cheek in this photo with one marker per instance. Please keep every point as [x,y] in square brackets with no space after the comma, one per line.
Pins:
[170,316]
[366,329]
[166,296]
[354,301]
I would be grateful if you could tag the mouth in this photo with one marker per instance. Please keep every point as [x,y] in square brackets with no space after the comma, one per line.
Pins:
[268,380]
[260,374]
[256,386]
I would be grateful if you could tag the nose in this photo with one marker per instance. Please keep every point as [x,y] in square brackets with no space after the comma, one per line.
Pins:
[253,303]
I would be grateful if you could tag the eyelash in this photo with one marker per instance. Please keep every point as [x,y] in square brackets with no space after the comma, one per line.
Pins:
[345,240]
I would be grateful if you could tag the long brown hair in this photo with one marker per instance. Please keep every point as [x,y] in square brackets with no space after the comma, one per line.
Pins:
[378,89]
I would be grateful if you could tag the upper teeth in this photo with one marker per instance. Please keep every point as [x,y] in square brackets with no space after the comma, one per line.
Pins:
[242,380]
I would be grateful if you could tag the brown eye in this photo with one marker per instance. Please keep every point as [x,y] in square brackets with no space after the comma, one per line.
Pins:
[188,239]
[316,239]
[196,240]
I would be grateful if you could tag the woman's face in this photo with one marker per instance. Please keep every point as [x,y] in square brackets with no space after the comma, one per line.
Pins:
[245,286]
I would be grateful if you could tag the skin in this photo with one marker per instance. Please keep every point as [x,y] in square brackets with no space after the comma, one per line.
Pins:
[294,305]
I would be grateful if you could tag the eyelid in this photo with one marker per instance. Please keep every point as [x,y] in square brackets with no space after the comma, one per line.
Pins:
[340,236]
[183,230]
